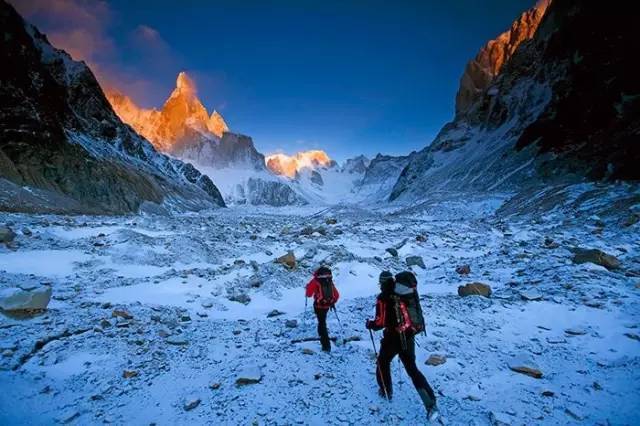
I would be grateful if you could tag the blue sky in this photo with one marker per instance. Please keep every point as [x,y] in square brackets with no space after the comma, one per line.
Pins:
[348,77]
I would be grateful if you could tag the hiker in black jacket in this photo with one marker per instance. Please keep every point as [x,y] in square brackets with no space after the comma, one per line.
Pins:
[398,315]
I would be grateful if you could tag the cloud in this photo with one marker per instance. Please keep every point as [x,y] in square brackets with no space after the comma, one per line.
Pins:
[77,26]
[82,28]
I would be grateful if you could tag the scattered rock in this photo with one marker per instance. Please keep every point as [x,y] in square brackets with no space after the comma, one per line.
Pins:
[68,416]
[17,299]
[26,231]
[421,238]
[331,221]
[463,269]
[6,235]
[243,298]
[573,414]
[435,360]
[575,331]
[105,323]
[474,289]
[548,393]
[520,365]
[595,256]
[307,351]
[127,374]
[499,419]
[206,304]
[632,336]
[177,340]
[596,386]
[249,375]
[550,244]
[122,314]
[415,261]
[215,386]
[531,295]
[393,252]
[190,404]
[288,260]
[292,323]
[274,313]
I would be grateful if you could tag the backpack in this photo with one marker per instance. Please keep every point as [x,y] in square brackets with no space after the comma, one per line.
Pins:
[411,299]
[412,302]
[326,292]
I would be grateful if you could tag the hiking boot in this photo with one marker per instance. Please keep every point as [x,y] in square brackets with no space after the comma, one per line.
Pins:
[433,414]
[384,395]
[326,349]
[429,403]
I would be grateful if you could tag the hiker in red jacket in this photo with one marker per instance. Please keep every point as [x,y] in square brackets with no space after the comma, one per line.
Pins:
[399,314]
[325,295]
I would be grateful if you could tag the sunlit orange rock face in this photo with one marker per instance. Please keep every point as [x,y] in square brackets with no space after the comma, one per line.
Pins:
[285,165]
[481,70]
[180,115]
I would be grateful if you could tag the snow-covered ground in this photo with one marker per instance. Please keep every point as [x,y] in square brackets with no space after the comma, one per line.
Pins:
[199,287]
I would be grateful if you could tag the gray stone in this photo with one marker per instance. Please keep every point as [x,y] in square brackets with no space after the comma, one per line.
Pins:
[415,261]
[393,252]
[6,235]
[17,299]
[191,403]
[249,375]
[595,256]
[474,289]
[291,323]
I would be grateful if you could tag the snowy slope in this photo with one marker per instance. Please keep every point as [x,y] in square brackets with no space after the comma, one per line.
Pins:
[190,338]
[548,115]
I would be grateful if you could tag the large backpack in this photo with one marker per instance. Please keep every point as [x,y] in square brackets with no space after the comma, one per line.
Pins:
[326,292]
[412,299]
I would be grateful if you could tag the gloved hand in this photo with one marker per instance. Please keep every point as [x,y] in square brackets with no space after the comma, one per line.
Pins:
[369,324]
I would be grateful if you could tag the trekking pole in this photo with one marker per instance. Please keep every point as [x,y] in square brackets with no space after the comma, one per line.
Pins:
[375,351]
[304,316]
[335,311]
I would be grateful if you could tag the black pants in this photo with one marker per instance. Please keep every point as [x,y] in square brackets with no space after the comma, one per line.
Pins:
[322,328]
[390,346]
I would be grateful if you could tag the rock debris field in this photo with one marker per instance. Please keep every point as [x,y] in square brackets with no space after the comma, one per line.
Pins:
[532,313]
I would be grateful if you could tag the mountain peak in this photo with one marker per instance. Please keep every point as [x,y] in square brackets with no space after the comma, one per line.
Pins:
[184,83]
[286,165]
[480,71]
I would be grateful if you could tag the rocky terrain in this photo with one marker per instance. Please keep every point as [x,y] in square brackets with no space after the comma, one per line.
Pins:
[558,105]
[191,319]
[63,149]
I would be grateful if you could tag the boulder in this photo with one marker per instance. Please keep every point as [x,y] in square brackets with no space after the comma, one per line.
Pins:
[122,314]
[531,295]
[474,289]
[6,235]
[291,323]
[249,375]
[393,252]
[415,261]
[274,313]
[128,374]
[191,403]
[243,298]
[595,256]
[435,360]
[288,260]
[463,269]
[523,366]
[18,299]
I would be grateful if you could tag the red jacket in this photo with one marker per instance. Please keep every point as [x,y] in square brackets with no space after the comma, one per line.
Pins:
[320,300]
